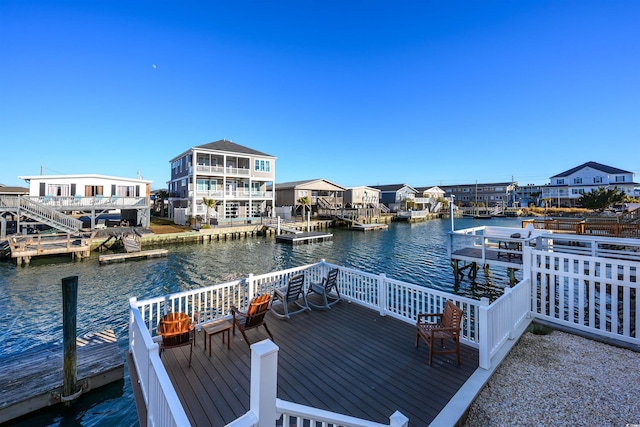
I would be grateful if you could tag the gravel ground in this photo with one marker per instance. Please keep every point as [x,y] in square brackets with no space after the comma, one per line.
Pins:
[561,379]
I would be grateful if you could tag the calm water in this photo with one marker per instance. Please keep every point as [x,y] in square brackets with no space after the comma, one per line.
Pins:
[31,301]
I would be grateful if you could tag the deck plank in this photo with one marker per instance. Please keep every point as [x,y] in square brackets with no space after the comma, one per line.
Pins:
[348,359]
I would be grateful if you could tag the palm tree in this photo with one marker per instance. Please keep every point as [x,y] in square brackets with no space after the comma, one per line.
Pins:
[304,201]
[161,196]
[210,204]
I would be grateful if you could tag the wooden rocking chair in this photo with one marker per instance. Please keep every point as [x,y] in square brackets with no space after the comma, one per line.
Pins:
[176,330]
[447,327]
[253,317]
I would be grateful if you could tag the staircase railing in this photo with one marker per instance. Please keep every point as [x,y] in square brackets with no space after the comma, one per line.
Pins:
[49,216]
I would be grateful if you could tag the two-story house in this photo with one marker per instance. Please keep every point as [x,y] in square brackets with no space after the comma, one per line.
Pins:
[234,176]
[321,194]
[567,187]
[396,196]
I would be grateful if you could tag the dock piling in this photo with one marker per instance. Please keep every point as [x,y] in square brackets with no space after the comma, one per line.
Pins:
[69,323]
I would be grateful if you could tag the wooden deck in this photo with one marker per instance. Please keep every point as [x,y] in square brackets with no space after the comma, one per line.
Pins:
[347,359]
[492,256]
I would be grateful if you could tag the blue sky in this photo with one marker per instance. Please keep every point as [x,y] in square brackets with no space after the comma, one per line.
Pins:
[356,92]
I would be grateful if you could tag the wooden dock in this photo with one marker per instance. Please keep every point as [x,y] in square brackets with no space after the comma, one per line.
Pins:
[23,248]
[151,253]
[302,238]
[368,227]
[33,379]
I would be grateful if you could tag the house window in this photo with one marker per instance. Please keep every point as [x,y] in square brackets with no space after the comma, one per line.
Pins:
[597,179]
[560,181]
[577,191]
[125,191]
[262,165]
[620,178]
[93,190]
[577,180]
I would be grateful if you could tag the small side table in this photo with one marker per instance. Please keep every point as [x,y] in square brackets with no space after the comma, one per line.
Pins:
[219,326]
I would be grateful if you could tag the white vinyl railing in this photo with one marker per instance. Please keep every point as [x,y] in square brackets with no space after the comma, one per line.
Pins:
[589,293]
[162,402]
[388,296]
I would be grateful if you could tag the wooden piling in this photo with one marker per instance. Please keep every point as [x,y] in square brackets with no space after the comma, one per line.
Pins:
[69,324]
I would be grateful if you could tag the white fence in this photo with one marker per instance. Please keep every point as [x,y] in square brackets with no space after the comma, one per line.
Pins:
[589,293]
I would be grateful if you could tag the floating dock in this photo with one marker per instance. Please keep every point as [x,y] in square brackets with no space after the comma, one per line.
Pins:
[368,227]
[302,238]
[33,379]
[152,253]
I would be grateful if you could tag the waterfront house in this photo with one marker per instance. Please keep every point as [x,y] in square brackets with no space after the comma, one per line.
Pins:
[321,193]
[234,176]
[566,188]
[429,198]
[362,197]
[89,194]
[396,196]
[489,194]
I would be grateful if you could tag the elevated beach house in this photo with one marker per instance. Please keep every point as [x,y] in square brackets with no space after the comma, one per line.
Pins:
[51,196]
[567,187]
[429,198]
[362,197]
[234,176]
[321,194]
[396,196]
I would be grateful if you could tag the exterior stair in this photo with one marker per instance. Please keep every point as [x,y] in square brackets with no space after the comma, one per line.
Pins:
[49,216]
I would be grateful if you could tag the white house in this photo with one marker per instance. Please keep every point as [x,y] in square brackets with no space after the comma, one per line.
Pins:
[567,187]
[234,176]
[92,194]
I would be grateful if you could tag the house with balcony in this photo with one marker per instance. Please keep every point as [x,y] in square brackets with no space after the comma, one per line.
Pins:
[429,198]
[362,197]
[489,194]
[396,196]
[53,197]
[322,194]
[234,176]
[566,188]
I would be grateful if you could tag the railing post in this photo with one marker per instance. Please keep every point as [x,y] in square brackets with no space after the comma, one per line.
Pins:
[507,292]
[382,294]
[484,343]
[264,382]
[397,419]
[250,286]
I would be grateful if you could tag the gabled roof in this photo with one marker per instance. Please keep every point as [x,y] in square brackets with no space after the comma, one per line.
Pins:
[312,184]
[231,147]
[593,165]
[434,189]
[392,187]
[13,190]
